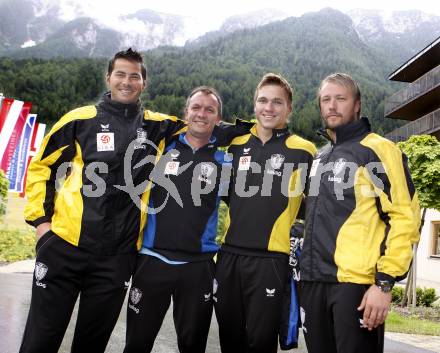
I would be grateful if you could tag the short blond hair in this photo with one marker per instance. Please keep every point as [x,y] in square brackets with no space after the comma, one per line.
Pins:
[342,80]
[277,80]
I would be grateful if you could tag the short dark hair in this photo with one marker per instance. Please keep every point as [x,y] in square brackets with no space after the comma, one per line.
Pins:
[206,90]
[277,80]
[130,55]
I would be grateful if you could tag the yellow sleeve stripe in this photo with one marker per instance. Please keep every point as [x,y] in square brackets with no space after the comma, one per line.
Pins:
[149,115]
[38,175]
[82,113]
[145,199]
[70,198]
[404,219]
[182,130]
[296,142]
[226,226]
[391,158]
[240,140]
[280,236]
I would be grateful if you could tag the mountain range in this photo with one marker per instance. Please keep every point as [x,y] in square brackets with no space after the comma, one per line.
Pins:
[366,44]
[48,28]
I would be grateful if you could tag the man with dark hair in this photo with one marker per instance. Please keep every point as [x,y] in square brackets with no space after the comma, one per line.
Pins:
[362,216]
[130,55]
[269,169]
[87,226]
[178,246]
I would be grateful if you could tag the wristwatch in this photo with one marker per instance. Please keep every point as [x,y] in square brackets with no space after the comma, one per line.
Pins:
[384,285]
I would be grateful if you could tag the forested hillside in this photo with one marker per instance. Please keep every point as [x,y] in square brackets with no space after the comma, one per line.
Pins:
[303,49]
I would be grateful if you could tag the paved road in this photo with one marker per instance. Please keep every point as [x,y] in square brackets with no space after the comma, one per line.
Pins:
[15,292]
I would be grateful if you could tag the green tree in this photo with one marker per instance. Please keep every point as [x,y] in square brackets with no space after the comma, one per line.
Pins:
[423,152]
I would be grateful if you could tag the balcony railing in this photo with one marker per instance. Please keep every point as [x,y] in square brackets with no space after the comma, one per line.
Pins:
[424,84]
[425,125]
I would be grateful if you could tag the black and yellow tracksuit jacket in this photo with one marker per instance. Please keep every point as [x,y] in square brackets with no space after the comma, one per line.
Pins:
[362,213]
[111,149]
[103,143]
[266,192]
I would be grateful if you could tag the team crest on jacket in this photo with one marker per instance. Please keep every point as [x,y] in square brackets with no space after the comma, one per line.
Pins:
[276,161]
[135,295]
[141,135]
[206,170]
[339,165]
[40,271]
[141,139]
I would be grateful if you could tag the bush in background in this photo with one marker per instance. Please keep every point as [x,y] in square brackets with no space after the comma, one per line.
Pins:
[397,294]
[16,245]
[424,296]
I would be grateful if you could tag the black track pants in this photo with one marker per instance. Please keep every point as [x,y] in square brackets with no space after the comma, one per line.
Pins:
[248,301]
[331,319]
[154,284]
[62,272]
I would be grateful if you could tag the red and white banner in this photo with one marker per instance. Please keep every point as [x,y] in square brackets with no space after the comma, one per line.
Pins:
[4,111]
[37,139]
[13,117]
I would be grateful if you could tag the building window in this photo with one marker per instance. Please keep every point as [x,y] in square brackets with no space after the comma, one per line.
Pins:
[435,252]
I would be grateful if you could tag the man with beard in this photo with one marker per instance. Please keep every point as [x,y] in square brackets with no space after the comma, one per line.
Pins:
[362,217]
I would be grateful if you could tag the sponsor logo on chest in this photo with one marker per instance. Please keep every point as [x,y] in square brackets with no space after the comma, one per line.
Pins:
[338,167]
[105,141]
[172,167]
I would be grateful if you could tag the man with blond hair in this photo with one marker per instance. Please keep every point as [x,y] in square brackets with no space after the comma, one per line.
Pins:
[362,216]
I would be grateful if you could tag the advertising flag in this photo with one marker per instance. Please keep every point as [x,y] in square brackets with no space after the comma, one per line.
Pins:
[37,139]
[4,111]
[19,162]
[10,133]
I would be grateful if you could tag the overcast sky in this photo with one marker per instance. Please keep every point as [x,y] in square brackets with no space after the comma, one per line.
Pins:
[220,9]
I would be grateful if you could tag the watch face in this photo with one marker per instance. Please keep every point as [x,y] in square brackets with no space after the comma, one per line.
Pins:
[385,286]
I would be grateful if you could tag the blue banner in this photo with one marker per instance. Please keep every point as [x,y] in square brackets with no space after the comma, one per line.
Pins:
[17,168]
